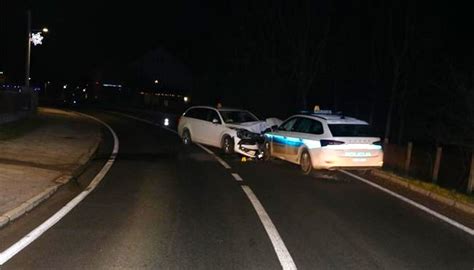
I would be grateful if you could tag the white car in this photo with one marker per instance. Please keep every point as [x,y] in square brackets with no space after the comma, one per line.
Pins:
[325,141]
[233,130]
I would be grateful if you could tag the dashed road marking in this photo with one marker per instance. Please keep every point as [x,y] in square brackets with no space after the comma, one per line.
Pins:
[282,252]
[413,203]
[7,254]
[205,149]
[220,160]
[237,177]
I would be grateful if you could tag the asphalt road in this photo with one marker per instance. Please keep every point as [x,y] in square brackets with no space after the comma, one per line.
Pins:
[166,206]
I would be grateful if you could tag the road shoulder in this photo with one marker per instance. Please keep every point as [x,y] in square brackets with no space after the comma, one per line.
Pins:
[34,165]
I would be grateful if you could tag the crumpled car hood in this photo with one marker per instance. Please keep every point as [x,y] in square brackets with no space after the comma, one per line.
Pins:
[257,126]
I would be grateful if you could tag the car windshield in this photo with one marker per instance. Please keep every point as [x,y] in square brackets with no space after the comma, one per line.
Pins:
[350,130]
[237,116]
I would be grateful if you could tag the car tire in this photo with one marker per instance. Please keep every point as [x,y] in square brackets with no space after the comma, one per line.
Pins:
[187,137]
[267,151]
[227,145]
[305,162]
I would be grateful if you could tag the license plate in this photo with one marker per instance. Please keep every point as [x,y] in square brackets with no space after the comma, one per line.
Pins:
[358,154]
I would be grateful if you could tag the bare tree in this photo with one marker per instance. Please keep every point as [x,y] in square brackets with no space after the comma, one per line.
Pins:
[397,56]
[308,60]
[307,44]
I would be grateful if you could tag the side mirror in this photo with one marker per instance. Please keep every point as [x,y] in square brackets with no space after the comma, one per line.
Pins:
[215,121]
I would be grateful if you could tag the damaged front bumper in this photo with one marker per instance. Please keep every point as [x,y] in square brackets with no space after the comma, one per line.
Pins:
[249,144]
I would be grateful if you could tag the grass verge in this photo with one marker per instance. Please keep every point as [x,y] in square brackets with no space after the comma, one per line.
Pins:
[435,188]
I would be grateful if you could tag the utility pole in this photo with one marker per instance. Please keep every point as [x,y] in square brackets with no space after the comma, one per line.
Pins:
[28,50]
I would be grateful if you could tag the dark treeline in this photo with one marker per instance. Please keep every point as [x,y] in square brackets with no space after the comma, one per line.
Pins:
[405,66]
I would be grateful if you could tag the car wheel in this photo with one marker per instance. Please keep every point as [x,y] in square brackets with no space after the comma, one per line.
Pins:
[267,151]
[228,145]
[187,137]
[305,162]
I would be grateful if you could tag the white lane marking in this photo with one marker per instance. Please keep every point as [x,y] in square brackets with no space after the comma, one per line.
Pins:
[220,160]
[169,129]
[413,203]
[282,252]
[237,177]
[205,149]
[7,254]
[283,255]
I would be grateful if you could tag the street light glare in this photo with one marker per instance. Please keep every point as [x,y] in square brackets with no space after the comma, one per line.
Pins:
[156,81]
[45,30]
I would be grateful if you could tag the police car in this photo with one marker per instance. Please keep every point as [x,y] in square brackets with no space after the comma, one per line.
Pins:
[325,140]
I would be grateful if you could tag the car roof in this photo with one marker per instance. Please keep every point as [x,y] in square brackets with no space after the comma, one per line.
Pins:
[231,109]
[335,119]
[220,109]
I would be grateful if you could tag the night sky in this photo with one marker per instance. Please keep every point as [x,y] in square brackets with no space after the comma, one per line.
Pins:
[273,57]
[88,34]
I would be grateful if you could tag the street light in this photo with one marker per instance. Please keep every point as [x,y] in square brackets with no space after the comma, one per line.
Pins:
[156,81]
[34,38]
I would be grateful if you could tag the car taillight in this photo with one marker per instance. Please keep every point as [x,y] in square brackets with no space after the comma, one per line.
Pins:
[379,143]
[330,142]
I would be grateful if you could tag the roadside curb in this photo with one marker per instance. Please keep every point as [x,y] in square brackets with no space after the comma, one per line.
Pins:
[448,201]
[30,204]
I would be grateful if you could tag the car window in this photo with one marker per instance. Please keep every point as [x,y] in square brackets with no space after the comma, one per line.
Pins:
[307,125]
[237,116]
[288,125]
[310,126]
[211,115]
[316,128]
[302,125]
[191,113]
[197,113]
[350,130]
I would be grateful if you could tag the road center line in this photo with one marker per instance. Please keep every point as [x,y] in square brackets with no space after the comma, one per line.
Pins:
[237,177]
[7,254]
[413,203]
[220,160]
[282,252]
[283,255]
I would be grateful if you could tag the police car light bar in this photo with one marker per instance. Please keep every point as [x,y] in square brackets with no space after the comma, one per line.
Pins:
[323,112]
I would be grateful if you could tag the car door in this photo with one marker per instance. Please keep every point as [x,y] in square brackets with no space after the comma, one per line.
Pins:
[280,138]
[306,132]
[198,125]
[215,128]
